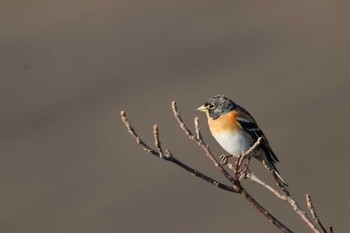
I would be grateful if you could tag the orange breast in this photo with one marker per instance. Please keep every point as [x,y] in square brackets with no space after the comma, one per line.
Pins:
[226,122]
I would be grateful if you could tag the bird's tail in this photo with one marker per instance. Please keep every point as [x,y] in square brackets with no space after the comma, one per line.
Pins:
[279,177]
[270,165]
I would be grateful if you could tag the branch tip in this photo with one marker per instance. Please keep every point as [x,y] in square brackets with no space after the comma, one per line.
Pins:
[235,180]
[198,130]
[308,201]
[123,116]
[312,209]
[168,154]
[157,140]
[330,229]
[173,105]
[155,127]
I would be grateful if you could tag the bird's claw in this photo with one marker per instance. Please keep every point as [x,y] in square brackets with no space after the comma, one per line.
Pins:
[224,159]
[246,167]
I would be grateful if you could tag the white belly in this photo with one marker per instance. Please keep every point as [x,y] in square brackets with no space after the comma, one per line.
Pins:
[233,142]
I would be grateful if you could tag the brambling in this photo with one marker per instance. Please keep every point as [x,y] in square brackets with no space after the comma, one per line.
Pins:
[236,131]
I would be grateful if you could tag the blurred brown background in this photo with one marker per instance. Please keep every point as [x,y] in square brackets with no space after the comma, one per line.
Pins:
[69,67]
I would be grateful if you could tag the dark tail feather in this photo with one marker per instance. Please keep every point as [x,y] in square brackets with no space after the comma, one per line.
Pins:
[271,166]
[279,177]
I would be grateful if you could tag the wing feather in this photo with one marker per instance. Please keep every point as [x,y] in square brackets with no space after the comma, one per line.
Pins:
[247,122]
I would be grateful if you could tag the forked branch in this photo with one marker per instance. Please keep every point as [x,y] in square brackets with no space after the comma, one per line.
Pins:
[168,155]
[312,209]
[235,179]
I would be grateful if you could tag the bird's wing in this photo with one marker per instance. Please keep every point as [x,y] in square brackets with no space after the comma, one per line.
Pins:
[248,124]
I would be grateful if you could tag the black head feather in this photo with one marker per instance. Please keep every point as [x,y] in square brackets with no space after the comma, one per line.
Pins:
[219,105]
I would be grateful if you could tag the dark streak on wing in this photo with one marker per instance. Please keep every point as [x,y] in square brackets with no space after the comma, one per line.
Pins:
[255,132]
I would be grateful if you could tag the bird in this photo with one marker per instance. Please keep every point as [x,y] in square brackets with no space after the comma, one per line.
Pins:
[235,129]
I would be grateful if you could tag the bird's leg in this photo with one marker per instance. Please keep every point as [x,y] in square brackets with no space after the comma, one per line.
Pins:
[241,173]
[246,166]
[224,159]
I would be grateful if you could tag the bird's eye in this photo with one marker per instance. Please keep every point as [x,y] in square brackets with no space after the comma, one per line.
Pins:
[211,106]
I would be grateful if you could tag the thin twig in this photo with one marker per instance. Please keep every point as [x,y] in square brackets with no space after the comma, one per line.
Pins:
[201,143]
[285,197]
[135,136]
[277,180]
[253,177]
[157,141]
[241,158]
[302,214]
[199,174]
[198,130]
[169,157]
[263,211]
[245,154]
[236,183]
[330,229]
[312,209]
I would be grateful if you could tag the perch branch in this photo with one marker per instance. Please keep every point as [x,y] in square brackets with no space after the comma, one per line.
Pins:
[201,143]
[236,183]
[288,198]
[238,163]
[169,157]
[236,186]
[312,209]
[293,203]
[253,177]
[245,154]
[285,196]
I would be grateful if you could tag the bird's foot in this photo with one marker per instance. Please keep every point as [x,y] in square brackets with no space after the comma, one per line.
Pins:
[224,159]
[242,173]
[246,166]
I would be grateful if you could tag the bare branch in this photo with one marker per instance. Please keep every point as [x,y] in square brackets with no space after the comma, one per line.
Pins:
[285,197]
[263,211]
[278,181]
[253,177]
[199,174]
[156,141]
[198,130]
[135,136]
[293,203]
[245,154]
[182,124]
[330,229]
[168,155]
[312,209]
[236,183]
[241,158]
[236,186]
[201,143]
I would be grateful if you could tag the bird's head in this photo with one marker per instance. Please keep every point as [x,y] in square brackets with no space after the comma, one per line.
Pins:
[216,106]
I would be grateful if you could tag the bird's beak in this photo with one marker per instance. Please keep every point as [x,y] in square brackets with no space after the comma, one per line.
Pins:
[202,108]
